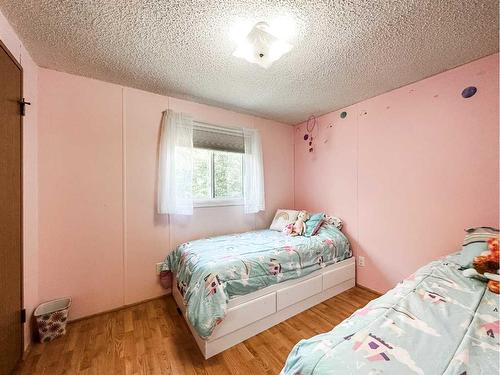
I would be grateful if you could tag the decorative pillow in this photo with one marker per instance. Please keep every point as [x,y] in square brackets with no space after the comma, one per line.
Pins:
[313,224]
[336,221]
[283,218]
[475,243]
[288,230]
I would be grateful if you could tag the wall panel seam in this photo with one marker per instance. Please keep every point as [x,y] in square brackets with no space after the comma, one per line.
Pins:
[124,200]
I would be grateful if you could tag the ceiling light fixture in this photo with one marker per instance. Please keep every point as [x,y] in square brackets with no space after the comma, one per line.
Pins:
[261,47]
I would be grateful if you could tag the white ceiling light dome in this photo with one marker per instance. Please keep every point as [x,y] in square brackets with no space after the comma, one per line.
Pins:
[261,47]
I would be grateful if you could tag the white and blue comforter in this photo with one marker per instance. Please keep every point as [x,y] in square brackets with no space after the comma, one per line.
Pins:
[435,322]
[210,271]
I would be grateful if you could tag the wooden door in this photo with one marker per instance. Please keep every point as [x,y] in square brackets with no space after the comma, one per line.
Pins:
[11,332]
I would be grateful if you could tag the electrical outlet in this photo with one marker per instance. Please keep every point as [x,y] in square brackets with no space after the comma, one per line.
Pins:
[361,261]
[158,268]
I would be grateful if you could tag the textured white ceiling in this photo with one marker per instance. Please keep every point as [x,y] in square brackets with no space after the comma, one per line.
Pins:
[344,51]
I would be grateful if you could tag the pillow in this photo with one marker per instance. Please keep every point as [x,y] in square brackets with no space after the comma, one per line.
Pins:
[313,224]
[475,242]
[337,222]
[283,218]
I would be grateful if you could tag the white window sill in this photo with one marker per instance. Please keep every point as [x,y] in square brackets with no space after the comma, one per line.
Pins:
[217,202]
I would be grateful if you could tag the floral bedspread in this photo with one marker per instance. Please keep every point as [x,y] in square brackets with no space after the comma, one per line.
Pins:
[435,322]
[211,271]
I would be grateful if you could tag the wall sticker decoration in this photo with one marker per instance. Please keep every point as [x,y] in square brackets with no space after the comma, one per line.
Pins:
[469,92]
[310,125]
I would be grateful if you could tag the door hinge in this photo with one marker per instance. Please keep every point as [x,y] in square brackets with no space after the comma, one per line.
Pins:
[23,103]
[23,316]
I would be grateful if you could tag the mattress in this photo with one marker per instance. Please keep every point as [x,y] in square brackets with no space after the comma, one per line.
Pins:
[211,271]
[435,322]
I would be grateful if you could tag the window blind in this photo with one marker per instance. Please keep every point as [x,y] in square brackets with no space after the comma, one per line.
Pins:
[218,138]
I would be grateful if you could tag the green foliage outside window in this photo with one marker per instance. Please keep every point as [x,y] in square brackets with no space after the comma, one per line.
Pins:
[217,174]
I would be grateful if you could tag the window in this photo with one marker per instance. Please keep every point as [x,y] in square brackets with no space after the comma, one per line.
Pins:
[225,165]
[217,168]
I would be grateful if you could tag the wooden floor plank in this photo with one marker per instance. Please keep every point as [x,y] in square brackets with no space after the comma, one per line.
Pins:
[152,338]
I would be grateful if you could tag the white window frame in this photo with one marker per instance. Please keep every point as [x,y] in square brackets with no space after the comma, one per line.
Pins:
[218,202]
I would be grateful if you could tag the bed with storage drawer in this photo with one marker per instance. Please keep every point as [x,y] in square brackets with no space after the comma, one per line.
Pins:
[232,287]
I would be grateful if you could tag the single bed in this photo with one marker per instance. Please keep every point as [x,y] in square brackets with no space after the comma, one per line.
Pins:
[435,322]
[232,287]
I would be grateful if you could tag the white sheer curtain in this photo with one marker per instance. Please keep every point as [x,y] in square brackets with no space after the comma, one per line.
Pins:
[254,172]
[175,166]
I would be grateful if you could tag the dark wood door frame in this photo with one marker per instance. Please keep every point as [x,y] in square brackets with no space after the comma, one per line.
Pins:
[21,123]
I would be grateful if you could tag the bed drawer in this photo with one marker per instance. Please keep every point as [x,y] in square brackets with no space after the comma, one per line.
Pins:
[338,275]
[295,293]
[246,313]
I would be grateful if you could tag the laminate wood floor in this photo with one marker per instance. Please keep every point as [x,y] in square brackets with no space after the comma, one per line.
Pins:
[152,338]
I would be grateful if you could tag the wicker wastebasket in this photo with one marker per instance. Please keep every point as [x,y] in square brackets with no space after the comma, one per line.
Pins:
[51,318]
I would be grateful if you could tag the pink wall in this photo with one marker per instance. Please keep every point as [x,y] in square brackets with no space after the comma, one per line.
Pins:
[30,189]
[80,191]
[99,235]
[408,170]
